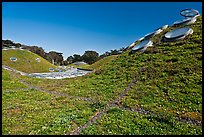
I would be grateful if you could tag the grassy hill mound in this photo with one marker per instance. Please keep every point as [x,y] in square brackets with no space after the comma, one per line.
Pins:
[79,66]
[102,62]
[169,89]
[26,61]
[155,92]
[97,65]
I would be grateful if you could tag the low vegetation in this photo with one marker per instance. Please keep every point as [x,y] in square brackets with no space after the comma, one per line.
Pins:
[26,61]
[165,97]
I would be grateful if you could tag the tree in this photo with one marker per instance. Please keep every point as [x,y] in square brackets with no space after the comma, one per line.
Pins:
[76,58]
[56,57]
[90,57]
[114,52]
[65,63]
[17,45]
[122,49]
[7,43]
[70,59]
[107,53]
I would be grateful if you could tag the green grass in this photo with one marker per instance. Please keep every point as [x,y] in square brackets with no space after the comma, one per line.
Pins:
[102,62]
[169,86]
[122,122]
[79,66]
[34,112]
[28,111]
[9,82]
[97,65]
[25,61]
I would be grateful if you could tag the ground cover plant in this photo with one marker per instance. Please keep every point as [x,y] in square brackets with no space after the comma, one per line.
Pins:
[26,61]
[155,92]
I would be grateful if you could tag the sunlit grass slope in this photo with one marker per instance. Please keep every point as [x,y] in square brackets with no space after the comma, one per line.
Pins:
[169,86]
[9,82]
[29,111]
[98,64]
[102,62]
[79,66]
[26,61]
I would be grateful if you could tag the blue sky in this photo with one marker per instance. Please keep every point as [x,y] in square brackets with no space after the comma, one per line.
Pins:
[74,27]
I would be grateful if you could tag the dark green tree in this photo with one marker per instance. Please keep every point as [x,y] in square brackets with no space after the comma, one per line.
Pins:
[90,57]
[77,58]
[114,52]
[70,59]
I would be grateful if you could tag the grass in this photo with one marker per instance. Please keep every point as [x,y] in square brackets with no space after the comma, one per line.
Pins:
[9,82]
[100,63]
[26,61]
[79,66]
[172,80]
[29,111]
[122,122]
[169,86]
[34,112]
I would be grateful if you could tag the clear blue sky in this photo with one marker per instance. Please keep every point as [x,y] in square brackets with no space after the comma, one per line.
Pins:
[74,27]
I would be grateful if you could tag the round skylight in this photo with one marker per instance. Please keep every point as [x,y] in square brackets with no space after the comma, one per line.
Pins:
[185,21]
[149,35]
[131,45]
[13,59]
[178,33]
[51,69]
[141,39]
[143,44]
[189,13]
[158,31]
[37,59]
[164,27]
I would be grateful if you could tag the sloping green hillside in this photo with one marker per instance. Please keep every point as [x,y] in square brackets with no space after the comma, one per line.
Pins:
[169,90]
[9,82]
[26,61]
[79,66]
[97,65]
[102,62]
[155,92]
